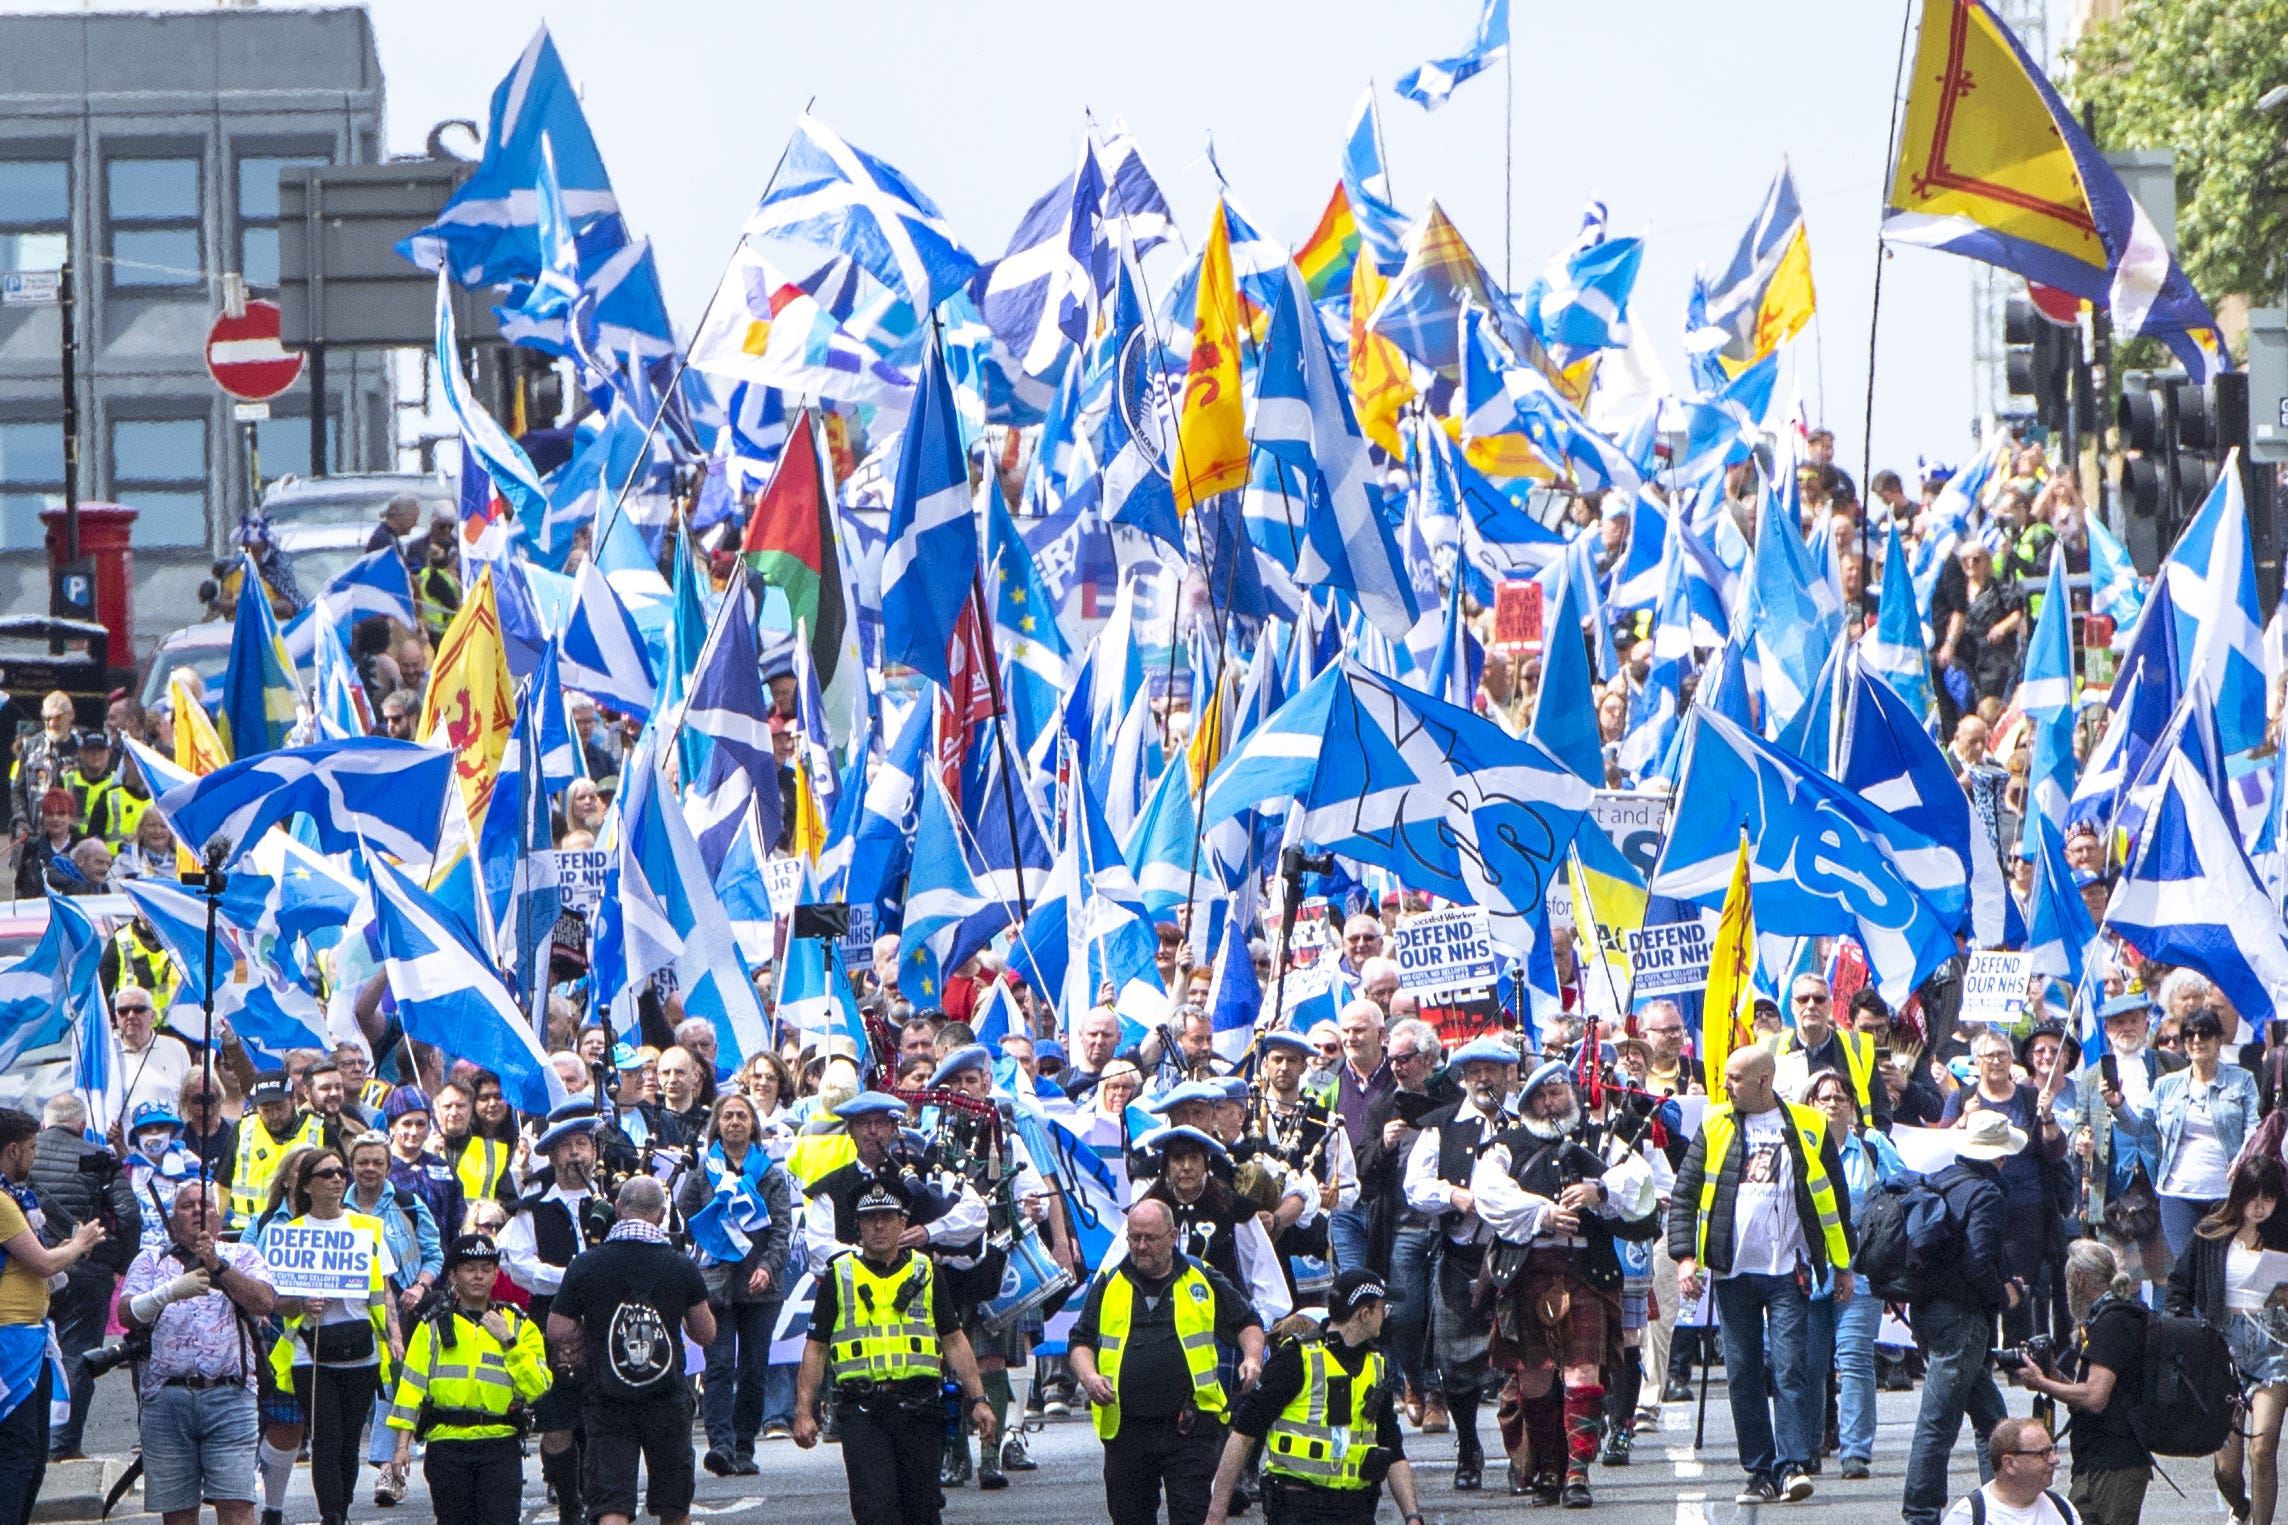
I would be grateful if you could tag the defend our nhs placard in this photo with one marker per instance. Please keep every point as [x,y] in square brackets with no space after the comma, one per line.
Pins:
[320,1259]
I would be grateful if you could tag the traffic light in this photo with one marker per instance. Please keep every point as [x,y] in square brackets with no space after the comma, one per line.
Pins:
[2173,438]
[2038,361]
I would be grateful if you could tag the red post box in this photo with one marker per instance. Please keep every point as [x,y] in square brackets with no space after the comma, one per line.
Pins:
[106,546]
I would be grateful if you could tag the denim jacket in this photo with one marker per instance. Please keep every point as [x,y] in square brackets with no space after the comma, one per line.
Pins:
[412,1238]
[1869,1160]
[2232,1112]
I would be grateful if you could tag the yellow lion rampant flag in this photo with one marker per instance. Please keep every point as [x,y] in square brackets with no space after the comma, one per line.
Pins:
[1727,1015]
[470,706]
[1211,440]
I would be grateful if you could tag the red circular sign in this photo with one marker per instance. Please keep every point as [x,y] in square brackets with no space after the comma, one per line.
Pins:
[245,357]
[2060,307]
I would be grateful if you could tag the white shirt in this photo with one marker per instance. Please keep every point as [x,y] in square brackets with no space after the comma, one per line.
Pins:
[156,1074]
[963,1222]
[521,1254]
[1998,1512]
[1516,1214]
[1767,1234]
[1427,1193]
[2201,1166]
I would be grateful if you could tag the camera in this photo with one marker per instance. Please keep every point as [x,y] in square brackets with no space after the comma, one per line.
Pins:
[2037,1352]
[108,1358]
[100,1165]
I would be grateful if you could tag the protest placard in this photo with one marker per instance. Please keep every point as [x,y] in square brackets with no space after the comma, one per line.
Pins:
[1442,951]
[1994,986]
[580,876]
[1633,823]
[320,1259]
[1670,959]
[782,878]
[858,942]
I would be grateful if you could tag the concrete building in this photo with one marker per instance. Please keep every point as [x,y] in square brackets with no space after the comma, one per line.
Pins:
[148,145]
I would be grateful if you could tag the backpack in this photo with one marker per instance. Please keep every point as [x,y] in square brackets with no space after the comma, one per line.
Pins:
[2192,1399]
[1908,1238]
[1978,1506]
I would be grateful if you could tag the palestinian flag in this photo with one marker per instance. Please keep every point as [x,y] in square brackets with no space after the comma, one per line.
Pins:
[790,544]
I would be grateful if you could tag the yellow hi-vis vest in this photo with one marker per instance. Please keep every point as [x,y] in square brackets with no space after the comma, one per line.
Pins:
[884,1329]
[480,1166]
[146,966]
[816,1154]
[1194,1310]
[1720,1129]
[477,1375]
[1324,1433]
[1858,1059]
[259,1156]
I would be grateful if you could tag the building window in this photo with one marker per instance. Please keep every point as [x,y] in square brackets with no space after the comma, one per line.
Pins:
[35,213]
[159,467]
[153,207]
[258,215]
[31,478]
[284,443]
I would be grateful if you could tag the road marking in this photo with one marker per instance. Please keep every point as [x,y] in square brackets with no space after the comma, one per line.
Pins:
[1687,1465]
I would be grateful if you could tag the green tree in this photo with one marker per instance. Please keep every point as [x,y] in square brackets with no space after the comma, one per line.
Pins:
[2186,74]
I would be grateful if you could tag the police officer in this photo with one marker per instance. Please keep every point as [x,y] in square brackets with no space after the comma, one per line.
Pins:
[472,1370]
[1325,1415]
[884,1331]
[275,1128]
[561,1216]
[1144,1351]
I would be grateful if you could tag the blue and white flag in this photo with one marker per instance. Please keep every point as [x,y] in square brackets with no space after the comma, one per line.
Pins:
[373,584]
[725,1229]
[1429,84]
[1162,855]
[832,196]
[1583,303]
[739,767]
[930,564]
[1131,193]
[814,990]
[603,652]
[2211,576]
[1303,417]
[1235,996]
[2115,589]
[942,897]
[2189,896]
[1886,757]
[334,686]
[546,303]
[2058,928]
[1565,712]
[387,792]
[1035,659]
[503,459]
[1040,298]
[1560,434]
[882,843]
[1790,615]
[1140,421]
[1895,650]
[1823,860]
[2046,695]
[1381,225]
[488,233]
[448,995]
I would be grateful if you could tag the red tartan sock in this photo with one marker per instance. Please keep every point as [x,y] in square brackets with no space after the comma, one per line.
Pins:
[1584,1409]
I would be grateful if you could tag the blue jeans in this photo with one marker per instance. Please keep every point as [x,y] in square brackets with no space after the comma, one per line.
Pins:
[736,1361]
[2179,1217]
[1406,1326]
[1955,1342]
[1844,1339]
[778,1394]
[1349,1239]
[1766,1326]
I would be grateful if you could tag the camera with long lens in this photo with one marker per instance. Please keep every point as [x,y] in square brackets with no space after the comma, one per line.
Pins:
[2036,1352]
[135,1346]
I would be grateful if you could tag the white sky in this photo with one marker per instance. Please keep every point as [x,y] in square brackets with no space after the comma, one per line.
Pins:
[1675,112]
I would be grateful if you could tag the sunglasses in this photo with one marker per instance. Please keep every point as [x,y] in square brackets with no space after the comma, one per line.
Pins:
[329,1173]
[132,1011]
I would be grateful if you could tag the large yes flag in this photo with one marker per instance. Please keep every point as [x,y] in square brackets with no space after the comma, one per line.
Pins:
[1994,166]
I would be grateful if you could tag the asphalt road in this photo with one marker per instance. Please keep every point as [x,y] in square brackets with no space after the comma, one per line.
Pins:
[1668,1482]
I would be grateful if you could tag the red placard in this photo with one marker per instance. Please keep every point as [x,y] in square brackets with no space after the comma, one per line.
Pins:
[1517,615]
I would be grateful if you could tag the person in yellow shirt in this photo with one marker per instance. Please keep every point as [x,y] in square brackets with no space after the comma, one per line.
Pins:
[26,1267]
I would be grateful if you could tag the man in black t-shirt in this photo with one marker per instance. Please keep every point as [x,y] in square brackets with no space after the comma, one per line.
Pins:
[2111,1466]
[619,1317]
[1161,1417]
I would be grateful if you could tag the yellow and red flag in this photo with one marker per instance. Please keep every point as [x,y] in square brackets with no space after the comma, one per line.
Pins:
[1727,1014]
[1381,385]
[1211,439]
[471,706]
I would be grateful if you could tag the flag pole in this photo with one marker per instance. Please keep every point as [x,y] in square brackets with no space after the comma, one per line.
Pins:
[1875,307]
[1509,156]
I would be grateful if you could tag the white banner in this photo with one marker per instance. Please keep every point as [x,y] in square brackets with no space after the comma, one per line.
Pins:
[320,1259]
[1443,951]
[580,876]
[1994,986]
[1670,959]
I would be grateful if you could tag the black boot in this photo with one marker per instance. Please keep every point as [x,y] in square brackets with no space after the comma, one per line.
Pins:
[562,1470]
[1469,1456]
[1621,1412]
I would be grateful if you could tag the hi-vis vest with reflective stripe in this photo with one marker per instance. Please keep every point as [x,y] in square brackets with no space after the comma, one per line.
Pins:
[884,1330]
[1194,1310]
[258,1159]
[1722,1125]
[1324,1433]
[1858,1059]
[815,1155]
[475,1375]
[480,1165]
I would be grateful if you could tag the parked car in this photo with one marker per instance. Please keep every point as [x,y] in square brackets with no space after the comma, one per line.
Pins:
[321,526]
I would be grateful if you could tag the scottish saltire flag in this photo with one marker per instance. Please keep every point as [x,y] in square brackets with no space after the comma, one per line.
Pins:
[1556,429]
[883,839]
[335,692]
[526,923]
[1762,299]
[2211,577]
[814,990]
[1886,757]
[602,652]
[832,196]
[1992,165]
[1429,84]
[1366,185]
[44,993]
[1894,649]
[1790,613]
[724,1229]
[489,232]
[1565,713]
[2058,928]
[2146,691]
[373,584]
[1162,854]
[1639,573]
[1040,297]
[506,465]
[2115,589]
[1455,670]
[1387,775]
[2046,695]
[1583,303]
[545,304]
[942,897]
[1235,996]
[930,564]
[1303,417]
[1136,488]
[389,793]
[1131,193]
[447,993]
[259,692]
[2189,897]
[1822,859]
[605,459]
[740,770]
